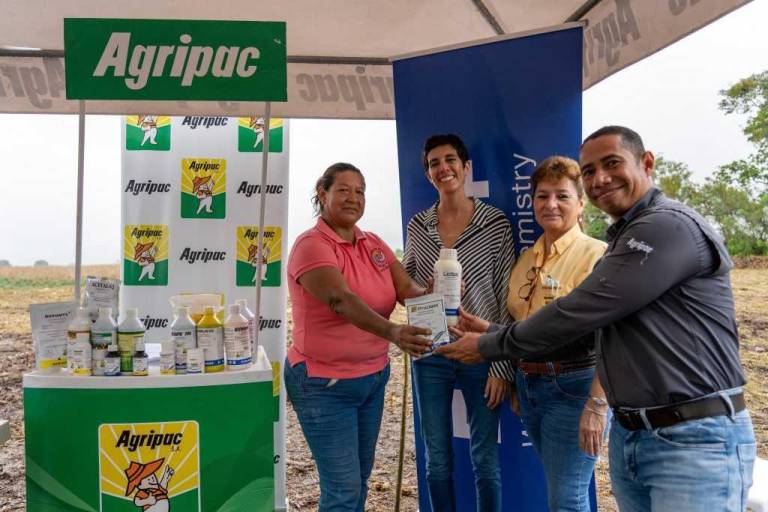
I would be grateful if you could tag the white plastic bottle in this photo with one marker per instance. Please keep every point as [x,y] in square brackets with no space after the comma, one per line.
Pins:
[80,355]
[195,361]
[247,313]
[184,335]
[168,358]
[448,283]
[103,334]
[79,329]
[237,344]
[130,331]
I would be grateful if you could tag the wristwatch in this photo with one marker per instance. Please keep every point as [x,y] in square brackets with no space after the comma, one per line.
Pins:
[599,401]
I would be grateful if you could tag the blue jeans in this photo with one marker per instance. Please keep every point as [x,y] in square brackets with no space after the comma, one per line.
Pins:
[434,379]
[340,421]
[551,407]
[695,466]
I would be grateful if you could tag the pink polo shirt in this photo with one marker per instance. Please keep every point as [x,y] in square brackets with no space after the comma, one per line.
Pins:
[330,345]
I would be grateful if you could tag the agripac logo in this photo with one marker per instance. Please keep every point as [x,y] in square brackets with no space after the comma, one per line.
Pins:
[203,188]
[250,135]
[147,133]
[145,255]
[175,59]
[149,466]
[249,260]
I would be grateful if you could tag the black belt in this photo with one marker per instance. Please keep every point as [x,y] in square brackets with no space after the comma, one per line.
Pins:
[554,367]
[670,415]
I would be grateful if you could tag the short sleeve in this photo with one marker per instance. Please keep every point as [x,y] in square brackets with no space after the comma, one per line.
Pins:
[309,253]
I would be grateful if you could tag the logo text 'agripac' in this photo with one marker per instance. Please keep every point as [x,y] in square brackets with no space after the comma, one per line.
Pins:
[184,61]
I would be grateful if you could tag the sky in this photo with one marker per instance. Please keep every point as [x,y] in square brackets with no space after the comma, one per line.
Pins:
[671,98]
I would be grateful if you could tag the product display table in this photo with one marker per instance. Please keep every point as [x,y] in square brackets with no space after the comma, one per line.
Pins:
[156,443]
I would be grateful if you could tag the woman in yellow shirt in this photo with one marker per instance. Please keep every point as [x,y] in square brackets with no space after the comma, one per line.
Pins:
[558,397]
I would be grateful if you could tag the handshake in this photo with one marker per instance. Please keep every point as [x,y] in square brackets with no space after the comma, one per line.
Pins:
[413,341]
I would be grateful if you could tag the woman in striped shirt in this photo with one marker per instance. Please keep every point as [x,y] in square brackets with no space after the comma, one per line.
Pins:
[482,236]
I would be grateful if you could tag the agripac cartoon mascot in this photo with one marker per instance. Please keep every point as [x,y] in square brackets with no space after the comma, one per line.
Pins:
[144,255]
[151,493]
[257,125]
[148,125]
[255,261]
[202,187]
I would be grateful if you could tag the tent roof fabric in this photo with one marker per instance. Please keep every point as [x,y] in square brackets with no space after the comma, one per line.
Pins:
[341,28]
[329,39]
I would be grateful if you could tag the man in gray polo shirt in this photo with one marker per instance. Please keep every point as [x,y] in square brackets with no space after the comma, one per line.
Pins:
[661,307]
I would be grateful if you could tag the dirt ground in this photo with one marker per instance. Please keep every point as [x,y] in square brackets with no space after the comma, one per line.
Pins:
[22,286]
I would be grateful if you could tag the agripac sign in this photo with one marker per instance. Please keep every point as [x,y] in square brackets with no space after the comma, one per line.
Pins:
[122,59]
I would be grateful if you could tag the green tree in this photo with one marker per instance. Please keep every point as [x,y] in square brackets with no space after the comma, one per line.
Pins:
[738,192]
[741,218]
[595,221]
[675,179]
[749,96]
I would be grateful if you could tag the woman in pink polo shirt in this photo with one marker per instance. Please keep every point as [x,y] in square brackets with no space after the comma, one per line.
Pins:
[344,283]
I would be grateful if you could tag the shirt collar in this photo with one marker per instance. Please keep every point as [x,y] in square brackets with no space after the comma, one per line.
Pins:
[325,229]
[479,216]
[559,246]
[643,203]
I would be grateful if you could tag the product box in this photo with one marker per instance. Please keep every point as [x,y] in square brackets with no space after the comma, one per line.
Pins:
[428,311]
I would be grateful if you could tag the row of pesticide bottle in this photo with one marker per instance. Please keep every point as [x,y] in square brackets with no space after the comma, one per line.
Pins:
[228,344]
[104,348]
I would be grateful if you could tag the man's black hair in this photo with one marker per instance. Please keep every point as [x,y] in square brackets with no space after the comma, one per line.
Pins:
[630,139]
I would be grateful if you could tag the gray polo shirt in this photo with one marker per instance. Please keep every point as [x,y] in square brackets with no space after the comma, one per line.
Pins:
[660,303]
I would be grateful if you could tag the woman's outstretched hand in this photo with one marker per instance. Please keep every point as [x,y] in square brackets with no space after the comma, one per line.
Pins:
[411,339]
[471,323]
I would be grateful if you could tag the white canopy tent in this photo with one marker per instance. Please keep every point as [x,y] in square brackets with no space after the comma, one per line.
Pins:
[338,50]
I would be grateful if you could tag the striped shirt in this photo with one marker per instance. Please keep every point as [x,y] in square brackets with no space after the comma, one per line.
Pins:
[485,251]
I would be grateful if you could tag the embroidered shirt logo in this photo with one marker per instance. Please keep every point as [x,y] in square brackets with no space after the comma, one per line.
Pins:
[377,255]
[641,246]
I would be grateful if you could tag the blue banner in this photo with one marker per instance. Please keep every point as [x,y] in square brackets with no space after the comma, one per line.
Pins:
[514,102]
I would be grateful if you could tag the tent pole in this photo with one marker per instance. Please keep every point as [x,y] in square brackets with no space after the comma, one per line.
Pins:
[79,221]
[262,210]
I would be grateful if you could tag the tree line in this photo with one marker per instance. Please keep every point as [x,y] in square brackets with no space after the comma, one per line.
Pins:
[735,196]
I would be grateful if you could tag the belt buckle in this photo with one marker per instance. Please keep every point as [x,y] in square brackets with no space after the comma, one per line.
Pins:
[629,419]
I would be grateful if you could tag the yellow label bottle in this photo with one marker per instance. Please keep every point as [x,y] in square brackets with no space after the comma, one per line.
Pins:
[210,338]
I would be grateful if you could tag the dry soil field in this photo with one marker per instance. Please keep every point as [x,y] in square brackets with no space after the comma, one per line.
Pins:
[22,286]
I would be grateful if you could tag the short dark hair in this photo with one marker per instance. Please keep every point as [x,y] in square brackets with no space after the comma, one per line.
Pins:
[555,168]
[328,178]
[445,139]
[630,139]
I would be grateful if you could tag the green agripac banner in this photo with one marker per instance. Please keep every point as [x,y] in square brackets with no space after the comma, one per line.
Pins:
[191,443]
[121,59]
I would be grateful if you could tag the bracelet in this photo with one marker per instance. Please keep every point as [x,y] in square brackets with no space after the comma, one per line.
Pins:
[595,411]
[599,401]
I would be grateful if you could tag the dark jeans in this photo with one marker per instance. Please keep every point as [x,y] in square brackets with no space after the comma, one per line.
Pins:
[434,379]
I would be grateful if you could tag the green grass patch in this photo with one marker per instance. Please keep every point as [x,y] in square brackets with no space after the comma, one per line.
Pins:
[23,283]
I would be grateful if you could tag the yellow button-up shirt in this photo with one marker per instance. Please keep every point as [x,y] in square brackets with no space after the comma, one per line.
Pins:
[570,260]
